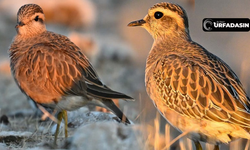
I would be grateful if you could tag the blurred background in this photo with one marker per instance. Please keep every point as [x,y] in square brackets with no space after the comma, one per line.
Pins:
[118,53]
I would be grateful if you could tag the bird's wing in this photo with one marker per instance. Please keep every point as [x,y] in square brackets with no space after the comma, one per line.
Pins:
[68,71]
[208,89]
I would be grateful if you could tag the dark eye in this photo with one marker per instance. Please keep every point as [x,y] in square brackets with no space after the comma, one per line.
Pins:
[158,15]
[36,19]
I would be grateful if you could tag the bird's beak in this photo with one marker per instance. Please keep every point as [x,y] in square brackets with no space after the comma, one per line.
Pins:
[137,23]
[19,24]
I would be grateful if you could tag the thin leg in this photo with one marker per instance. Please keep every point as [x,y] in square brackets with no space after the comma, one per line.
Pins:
[65,118]
[216,147]
[59,117]
[197,145]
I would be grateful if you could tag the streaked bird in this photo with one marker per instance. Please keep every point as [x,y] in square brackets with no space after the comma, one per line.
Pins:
[193,89]
[52,71]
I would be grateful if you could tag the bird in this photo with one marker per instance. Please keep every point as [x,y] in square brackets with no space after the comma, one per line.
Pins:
[193,89]
[53,72]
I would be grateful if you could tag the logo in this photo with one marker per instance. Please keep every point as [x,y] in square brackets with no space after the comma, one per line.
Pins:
[226,24]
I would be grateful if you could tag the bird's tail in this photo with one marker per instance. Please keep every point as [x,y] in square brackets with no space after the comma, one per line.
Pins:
[112,107]
[103,92]
[105,96]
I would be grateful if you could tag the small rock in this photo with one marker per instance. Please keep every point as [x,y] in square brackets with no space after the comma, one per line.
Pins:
[90,117]
[3,146]
[4,120]
[13,136]
[106,136]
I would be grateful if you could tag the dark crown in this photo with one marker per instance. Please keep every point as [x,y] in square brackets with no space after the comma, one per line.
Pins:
[29,9]
[175,8]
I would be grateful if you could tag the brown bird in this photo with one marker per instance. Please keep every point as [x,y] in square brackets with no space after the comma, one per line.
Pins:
[52,71]
[193,89]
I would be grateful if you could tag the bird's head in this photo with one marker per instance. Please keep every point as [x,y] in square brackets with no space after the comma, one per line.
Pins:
[164,19]
[30,20]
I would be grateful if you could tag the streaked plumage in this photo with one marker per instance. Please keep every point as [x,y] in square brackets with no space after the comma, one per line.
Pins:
[192,88]
[49,68]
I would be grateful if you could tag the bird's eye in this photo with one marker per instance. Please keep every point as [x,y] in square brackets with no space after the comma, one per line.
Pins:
[158,15]
[36,19]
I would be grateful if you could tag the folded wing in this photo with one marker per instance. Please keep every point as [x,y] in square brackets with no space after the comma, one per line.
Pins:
[206,90]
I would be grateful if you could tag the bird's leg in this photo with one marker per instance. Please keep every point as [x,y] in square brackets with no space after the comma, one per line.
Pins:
[65,117]
[197,145]
[216,147]
[59,117]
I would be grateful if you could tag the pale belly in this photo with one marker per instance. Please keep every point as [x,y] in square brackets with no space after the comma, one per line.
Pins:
[204,130]
[197,129]
[68,103]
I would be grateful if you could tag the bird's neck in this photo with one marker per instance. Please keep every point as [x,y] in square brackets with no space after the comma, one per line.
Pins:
[172,35]
[27,32]
[169,44]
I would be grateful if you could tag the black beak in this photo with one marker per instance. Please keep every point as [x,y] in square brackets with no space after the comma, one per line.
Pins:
[19,24]
[137,23]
